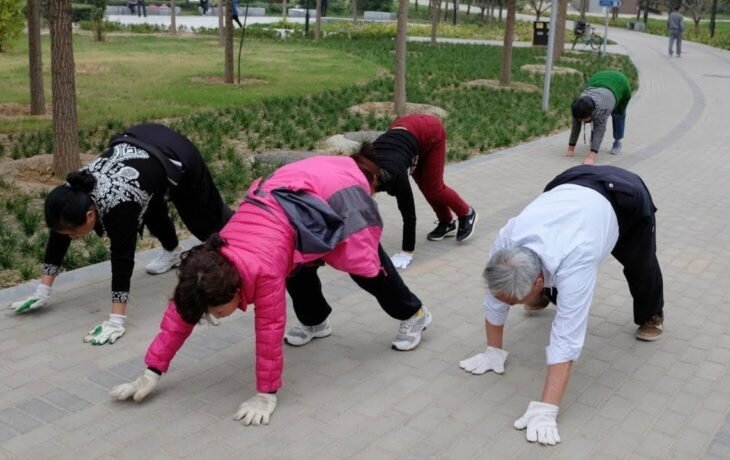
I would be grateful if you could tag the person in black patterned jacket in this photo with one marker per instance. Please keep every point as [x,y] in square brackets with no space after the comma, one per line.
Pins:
[118,194]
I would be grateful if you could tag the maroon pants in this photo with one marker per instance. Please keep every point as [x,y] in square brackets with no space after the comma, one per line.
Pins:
[429,172]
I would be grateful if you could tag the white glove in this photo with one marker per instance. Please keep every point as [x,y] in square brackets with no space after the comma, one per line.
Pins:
[105,332]
[401,260]
[491,360]
[37,300]
[540,419]
[256,410]
[140,388]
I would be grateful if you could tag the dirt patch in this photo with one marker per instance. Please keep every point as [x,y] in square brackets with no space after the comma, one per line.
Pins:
[35,172]
[91,68]
[540,68]
[13,110]
[494,84]
[385,109]
[219,81]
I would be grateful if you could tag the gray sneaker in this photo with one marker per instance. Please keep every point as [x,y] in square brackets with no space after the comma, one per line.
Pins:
[410,330]
[301,335]
[616,148]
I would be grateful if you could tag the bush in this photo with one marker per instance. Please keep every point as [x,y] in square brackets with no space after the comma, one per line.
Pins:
[375,5]
[11,21]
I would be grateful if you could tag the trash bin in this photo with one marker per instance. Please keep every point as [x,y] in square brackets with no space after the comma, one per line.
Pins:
[540,31]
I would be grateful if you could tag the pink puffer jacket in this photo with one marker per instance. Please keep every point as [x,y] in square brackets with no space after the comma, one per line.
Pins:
[264,246]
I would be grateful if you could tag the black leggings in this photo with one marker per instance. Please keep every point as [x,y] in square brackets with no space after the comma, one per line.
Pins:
[387,287]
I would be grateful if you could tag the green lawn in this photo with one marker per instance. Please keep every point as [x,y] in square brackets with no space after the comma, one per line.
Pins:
[136,77]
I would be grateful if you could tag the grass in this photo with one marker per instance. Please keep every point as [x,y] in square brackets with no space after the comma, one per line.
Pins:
[302,111]
[130,78]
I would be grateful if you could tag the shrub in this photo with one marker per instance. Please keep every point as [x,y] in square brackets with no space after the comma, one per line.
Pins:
[375,5]
[11,21]
[81,12]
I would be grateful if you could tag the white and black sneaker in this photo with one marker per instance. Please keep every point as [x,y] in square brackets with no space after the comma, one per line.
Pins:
[410,330]
[301,335]
[164,262]
[466,225]
[442,230]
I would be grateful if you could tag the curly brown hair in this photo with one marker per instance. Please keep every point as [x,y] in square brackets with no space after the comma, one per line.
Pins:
[205,279]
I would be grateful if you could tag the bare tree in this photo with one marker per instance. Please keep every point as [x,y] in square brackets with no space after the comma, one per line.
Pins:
[283,9]
[221,29]
[228,51]
[559,40]
[582,7]
[318,20]
[540,7]
[697,9]
[713,14]
[35,61]
[505,74]
[400,59]
[435,4]
[63,86]
[173,17]
[353,5]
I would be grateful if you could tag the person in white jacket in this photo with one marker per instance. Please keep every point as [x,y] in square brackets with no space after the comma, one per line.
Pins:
[551,252]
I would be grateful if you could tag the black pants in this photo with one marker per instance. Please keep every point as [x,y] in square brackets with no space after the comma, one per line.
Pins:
[636,251]
[388,287]
[195,197]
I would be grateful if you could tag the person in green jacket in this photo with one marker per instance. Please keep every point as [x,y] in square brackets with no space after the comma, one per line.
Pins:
[608,93]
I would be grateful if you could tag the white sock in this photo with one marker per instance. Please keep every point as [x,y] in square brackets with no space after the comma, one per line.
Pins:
[117,320]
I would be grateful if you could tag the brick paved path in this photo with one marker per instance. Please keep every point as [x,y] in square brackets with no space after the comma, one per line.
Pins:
[350,396]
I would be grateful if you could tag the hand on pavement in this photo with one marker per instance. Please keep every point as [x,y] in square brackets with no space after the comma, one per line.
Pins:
[571,151]
[402,259]
[105,332]
[540,419]
[256,410]
[138,389]
[37,300]
[491,360]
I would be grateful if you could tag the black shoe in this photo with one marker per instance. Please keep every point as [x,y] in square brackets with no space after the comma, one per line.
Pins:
[443,230]
[466,226]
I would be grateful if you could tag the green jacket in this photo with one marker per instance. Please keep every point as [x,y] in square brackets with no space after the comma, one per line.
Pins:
[617,83]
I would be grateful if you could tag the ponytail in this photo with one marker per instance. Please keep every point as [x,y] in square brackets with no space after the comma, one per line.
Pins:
[205,279]
[66,205]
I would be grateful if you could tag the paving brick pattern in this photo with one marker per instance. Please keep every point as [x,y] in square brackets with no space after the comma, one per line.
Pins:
[351,396]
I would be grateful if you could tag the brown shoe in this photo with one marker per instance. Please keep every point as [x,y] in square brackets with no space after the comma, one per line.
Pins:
[651,330]
[539,304]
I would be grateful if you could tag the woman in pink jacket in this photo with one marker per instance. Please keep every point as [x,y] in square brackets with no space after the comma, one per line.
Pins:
[307,213]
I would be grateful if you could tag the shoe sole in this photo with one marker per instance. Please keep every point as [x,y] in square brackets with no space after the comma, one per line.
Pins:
[315,336]
[447,235]
[153,272]
[647,338]
[429,320]
[473,227]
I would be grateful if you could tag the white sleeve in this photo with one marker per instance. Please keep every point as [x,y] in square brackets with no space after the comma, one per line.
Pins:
[575,293]
[496,311]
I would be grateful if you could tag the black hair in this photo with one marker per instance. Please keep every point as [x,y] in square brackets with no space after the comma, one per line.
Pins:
[583,107]
[205,279]
[66,205]
[366,161]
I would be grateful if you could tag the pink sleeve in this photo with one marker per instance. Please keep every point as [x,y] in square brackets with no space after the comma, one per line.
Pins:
[270,320]
[173,333]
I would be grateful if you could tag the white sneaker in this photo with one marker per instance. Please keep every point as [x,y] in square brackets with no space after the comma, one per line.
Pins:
[165,261]
[410,330]
[301,335]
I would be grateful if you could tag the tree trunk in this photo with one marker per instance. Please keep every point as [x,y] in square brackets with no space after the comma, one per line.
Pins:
[434,20]
[283,9]
[501,8]
[400,59]
[228,73]
[505,74]
[468,7]
[221,29]
[63,87]
[173,17]
[353,4]
[456,10]
[35,61]
[318,21]
[713,14]
[582,8]
[559,40]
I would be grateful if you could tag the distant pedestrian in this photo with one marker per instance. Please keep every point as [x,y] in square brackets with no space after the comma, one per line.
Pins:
[234,13]
[204,4]
[131,4]
[676,29]
[608,93]
[141,8]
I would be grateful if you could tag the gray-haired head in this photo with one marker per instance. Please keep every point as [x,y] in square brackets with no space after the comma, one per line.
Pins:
[512,272]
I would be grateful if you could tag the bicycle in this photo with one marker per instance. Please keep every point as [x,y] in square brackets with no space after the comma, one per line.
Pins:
[587,34]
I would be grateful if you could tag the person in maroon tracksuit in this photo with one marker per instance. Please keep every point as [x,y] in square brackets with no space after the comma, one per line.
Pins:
[415,145]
